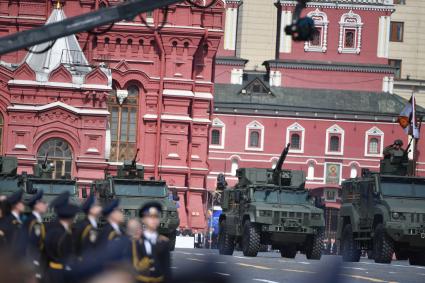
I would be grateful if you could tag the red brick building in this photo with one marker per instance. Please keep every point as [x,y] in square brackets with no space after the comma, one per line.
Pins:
[93,99]
[331,98]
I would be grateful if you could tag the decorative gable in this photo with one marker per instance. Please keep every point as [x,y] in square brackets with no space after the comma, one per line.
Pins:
[256,87]
[61,75]
[96,77]
[122,66]
[24,72]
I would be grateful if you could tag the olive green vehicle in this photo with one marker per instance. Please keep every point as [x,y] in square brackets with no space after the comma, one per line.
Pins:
[270,207]
[133,191]
[10,181]
[384,213]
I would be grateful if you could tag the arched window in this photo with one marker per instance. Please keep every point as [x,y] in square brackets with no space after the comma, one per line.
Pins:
[295,141]
[1,133]
[310,172]
[353,171]
[59,154]
[235,166]
[320,36]
[123,106]
[350,33]
[334,144]
[215,137]
[373,145]
[254,138]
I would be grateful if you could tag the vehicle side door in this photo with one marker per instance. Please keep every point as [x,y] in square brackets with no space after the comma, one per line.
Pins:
[366,189]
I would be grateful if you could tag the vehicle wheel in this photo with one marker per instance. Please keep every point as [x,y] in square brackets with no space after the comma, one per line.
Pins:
[250,239]
[417,258]
[370,254]
[314,248]
[348,247]
[383,245]
[401,255]
[172,238]
[226,242]
[288,251]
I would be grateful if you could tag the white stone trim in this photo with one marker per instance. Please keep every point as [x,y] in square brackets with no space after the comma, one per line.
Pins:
[357,26]
[201,120]
[374,132]
[20,146]
[335,129]
[295,127]
[230,28]
[36,108]
[388,6]
[59,84]
[320,20]
[175,117]
[217,123]
[178,92]
[383,36]
[254,125]
[285,45]
[203,95]
[236,76]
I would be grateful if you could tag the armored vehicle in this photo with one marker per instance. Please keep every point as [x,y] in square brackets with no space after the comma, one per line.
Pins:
[42,179]
[384,213]
[133,191]
[270,207]
[10,181]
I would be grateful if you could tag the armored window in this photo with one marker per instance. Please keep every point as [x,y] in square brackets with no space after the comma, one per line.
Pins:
[373,145]
[254,139]
[334,144]
[123,106]
[1,133]
[295,141]
[59,155]
[215,137]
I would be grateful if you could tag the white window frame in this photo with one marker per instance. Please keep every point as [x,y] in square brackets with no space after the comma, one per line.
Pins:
[335,129]
[320,20]
[295,128]
[254,125]
[350,20]
[374,132]
[218,124]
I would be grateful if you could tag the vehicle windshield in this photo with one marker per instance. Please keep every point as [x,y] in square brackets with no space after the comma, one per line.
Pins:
[413,188]
[55,189]
[138,189]
[280,196]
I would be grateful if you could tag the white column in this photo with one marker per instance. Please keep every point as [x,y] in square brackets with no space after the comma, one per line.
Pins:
[285,40]
[381,35]
[385,84]
[275,78]
[230,28]
[236,76]
[391,85]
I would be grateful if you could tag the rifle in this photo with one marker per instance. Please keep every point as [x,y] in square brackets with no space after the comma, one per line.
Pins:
[44,165]
[133,162]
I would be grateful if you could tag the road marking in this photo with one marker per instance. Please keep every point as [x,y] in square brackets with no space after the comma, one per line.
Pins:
[298,270]
[264,280]
[223,274]
[355,268]
[241,257]
[195,259]
[303,262]
[185,253]
[370,279]
[255,266]
[174,267]
[198,254]
[220,262]
[395,265]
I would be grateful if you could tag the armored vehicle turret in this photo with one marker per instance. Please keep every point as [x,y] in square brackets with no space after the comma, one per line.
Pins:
[133,191]
[384,212]
[270,207]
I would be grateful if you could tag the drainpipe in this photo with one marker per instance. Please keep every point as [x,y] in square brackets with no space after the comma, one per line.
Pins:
[160,93]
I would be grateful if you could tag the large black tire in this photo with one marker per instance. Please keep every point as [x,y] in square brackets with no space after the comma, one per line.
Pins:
[349,251]
[288,251]
[172,238]
[315,245]
[250,239]
[417,258]
[226,242]
[383,245]
[401,255]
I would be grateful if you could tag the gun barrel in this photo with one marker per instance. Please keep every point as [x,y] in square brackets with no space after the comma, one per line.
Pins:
[282,158]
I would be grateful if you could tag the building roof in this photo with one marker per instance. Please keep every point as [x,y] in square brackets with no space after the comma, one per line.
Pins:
[65,50]
[324,103]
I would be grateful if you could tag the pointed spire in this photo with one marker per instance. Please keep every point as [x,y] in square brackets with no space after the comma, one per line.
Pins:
[58,5]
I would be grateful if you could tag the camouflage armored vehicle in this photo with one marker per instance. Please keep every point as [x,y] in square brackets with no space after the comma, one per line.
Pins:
[133,191]
[384,213]
[10,181]
[270,207]
[42,180]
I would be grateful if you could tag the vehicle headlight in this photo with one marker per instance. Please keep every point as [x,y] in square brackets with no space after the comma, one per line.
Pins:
[315,216]
[397,215]
[264,213]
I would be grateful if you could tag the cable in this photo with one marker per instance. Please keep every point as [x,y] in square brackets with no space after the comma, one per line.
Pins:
[202,6]
[102,31]
[42,51]
[164,21]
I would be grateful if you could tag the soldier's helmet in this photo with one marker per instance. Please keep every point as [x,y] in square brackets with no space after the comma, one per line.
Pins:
[398,142]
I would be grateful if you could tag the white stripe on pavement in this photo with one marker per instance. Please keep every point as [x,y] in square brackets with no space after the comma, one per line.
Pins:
[264,280]
[241,257]
[224,274]
[355,268]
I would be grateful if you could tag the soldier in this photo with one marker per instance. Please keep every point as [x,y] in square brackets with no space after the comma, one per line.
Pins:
[35,232]
[58,244]
[395,147]
[86,231]
[134,229]
[115,218]
[150,255]
[10,224]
